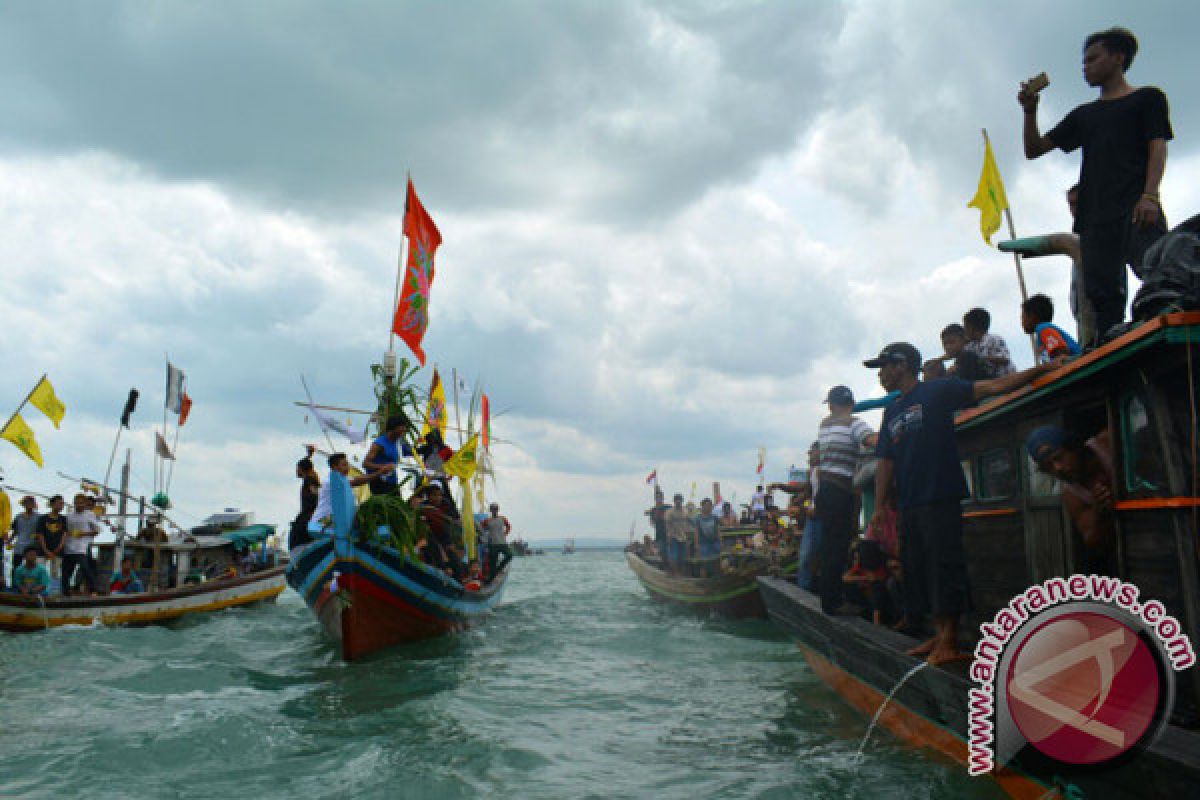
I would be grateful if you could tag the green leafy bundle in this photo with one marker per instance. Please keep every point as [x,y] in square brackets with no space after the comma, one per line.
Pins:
[403,522]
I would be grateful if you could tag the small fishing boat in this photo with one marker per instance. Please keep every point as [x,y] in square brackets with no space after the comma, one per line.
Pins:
[199,573]
[370,596]
[732,592]
[1141,389]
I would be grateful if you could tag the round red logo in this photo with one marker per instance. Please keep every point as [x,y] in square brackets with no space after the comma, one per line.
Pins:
[1083,688]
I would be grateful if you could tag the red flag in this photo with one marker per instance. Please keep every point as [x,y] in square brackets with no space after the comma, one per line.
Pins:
[652,477]
[486,410]
[185,408]
[412,314]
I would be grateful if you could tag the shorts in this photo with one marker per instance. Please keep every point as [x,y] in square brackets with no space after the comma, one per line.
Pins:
[676,551]
[710,549]
[933,559]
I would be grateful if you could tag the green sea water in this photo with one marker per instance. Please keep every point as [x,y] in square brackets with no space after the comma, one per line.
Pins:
[578,687]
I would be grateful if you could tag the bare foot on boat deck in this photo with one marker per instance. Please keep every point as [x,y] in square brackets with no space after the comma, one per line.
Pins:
[923,649]
[947,655]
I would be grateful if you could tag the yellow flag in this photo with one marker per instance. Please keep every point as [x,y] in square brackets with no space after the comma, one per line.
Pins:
[467,511]
[20,434]
[435,414]
[5,512]
[989,197]
[45,400]
[462,464]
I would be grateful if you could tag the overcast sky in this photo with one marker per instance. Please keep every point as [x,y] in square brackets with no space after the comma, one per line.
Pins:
[668,227]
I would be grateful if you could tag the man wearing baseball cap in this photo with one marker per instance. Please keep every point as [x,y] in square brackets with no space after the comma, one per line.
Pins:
[921,475]
[841,436]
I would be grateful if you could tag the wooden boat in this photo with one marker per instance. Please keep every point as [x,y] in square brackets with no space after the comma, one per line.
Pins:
[731,594]
[1016,534]
[369,596]
[184,566]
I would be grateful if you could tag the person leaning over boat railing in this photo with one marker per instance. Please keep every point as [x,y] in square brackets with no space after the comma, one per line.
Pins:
[1086,471]
[920,474]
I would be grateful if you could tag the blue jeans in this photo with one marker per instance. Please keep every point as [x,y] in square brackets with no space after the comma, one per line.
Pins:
[810,547]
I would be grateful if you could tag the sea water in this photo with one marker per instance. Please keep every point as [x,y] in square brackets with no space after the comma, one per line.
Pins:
[579,686]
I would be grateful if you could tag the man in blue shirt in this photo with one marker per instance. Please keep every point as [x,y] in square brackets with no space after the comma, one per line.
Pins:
[386,451]
[917,449]
[31,577]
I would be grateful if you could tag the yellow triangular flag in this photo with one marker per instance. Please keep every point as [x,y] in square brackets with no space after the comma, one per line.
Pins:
[5,512]
[45,400]
[989,197]
[20,434]
[462,464]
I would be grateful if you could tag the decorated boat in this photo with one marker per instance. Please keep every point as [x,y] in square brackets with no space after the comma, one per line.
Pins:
[194,574]
[370,595]
[727,586]
[1140,390]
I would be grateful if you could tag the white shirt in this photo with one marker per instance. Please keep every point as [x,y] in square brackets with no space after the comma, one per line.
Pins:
[758,502]
[82,527]
[324,503]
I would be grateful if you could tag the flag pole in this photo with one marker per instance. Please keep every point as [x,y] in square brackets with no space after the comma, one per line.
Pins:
[1012,234]
[113,456]
[457,418]
[24,402]
[307,393]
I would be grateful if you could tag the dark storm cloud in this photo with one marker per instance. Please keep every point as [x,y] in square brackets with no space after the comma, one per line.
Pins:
[612,109]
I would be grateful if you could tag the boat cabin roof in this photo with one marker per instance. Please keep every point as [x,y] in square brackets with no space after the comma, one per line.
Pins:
[239,538]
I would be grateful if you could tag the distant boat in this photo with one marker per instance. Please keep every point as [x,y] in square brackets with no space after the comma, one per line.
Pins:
[202,572]
[369,597]
[733,593]
[568,547]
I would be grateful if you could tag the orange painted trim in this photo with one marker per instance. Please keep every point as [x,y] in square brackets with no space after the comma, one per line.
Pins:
[1149,503]
[137,617]
[913,728]
[990,512]
[1158,323]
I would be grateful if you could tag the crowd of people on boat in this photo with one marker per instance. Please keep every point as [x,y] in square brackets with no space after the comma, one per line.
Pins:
[710,539]
[443,547]
[906,480]
[52,552]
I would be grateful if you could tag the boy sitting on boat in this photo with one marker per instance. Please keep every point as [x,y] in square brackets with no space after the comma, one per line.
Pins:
[126,580]
[30,577]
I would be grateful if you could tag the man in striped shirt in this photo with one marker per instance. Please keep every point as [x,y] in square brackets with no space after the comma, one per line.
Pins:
[841,436]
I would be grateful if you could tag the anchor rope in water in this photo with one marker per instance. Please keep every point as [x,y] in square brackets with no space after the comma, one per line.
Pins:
[879,711]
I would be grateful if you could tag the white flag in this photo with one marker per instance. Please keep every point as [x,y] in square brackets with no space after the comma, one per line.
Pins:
[328,423]
[174,388]
[160,447]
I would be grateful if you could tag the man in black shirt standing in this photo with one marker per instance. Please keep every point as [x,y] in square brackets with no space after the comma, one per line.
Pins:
[1124,138]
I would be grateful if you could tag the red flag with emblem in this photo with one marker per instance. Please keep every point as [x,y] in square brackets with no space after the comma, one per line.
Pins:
[412,313]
